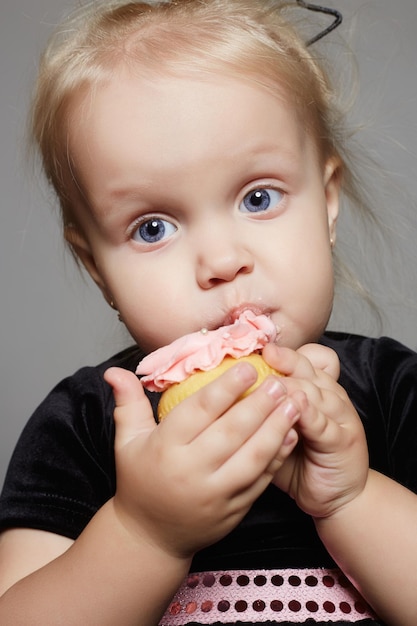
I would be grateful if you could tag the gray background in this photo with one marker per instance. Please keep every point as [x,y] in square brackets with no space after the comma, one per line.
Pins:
[53,321]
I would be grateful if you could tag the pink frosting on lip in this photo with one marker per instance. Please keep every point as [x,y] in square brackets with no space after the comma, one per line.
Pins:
[205,350]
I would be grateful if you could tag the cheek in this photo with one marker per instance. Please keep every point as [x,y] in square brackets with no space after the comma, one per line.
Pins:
[316,299]
[148,325]
[304,253]
[308,280]
[154,311]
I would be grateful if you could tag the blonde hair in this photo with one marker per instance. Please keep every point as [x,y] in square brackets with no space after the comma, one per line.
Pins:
[249,39]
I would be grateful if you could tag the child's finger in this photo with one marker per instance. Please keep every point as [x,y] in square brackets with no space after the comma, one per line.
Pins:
[194,414]
[288,362]
[133,413]
[304,362]
[313,425]
[266,450]
[323,433]
[242,421]
[322,358]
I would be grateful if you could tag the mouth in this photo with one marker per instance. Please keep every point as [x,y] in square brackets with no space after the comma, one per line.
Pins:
[236,312]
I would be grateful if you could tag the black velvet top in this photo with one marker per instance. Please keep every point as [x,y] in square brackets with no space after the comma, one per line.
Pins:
[62,470]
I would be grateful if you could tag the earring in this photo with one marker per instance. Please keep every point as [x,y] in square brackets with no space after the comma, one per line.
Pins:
[332,242]
[113,306]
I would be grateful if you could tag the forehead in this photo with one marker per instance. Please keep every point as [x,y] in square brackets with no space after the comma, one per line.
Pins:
[186,113]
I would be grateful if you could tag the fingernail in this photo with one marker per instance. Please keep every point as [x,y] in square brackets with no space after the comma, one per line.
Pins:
[291,410]
[291,438]
[246,372]
[274,388]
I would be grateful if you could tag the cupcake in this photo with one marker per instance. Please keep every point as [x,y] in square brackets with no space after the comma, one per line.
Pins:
[190,362]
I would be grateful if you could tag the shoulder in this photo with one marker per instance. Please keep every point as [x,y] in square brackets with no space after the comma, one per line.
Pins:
[127,359]
[78,412]
[87,384]
[74,423]
[378,367]
[83,396]
[62,469]
[369,353]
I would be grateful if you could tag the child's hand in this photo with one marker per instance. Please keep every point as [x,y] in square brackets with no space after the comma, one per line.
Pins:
[189,481]
[329,467]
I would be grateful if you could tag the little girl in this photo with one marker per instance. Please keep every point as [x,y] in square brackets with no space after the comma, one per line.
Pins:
[197,154]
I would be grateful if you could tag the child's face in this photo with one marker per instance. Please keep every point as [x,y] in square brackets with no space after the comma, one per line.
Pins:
[201,198]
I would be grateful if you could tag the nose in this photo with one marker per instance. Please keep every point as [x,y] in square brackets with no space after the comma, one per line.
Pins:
[221,259]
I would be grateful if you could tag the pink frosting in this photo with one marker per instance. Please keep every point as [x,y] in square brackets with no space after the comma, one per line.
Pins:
[204,350]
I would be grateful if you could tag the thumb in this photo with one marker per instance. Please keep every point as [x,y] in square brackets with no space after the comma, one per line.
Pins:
[322,358]
[133,414]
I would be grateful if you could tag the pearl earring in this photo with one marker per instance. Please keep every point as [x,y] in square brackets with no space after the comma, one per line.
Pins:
[113,306]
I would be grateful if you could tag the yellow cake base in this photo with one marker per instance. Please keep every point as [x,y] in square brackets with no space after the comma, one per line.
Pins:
[179,391]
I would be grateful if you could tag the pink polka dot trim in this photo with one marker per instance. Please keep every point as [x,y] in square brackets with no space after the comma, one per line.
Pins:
[257,596]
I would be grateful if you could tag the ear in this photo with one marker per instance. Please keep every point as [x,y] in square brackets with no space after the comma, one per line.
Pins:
[332,184]
[82,251]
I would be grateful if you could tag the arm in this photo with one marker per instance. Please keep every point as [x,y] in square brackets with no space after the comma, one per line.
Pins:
[366,521]
[100,579]
[373,539]
[180,486]
[24,550]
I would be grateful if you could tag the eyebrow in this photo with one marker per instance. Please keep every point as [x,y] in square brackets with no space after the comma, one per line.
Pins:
[281,161]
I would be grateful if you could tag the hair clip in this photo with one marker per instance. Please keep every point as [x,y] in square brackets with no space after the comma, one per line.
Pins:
[314,7]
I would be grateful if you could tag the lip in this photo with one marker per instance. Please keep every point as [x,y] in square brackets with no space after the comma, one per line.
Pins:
[234,313]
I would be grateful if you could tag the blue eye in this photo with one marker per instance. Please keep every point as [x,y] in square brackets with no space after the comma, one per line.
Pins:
[260,200]
[154,230]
